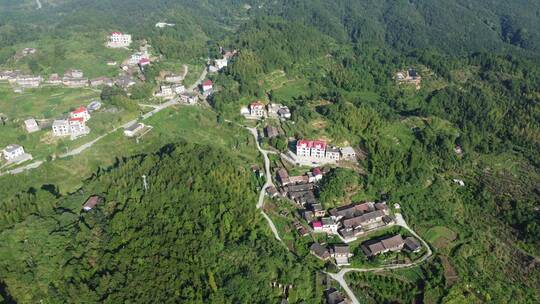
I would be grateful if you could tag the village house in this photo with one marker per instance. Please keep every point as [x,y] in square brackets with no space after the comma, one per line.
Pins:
[307,215]
[13,152]
[112,63]
[299,179]
[283,177]
[256,109]
[119,40]
[220,63]
[137,57]
[284,113]
[317,173]
[389,244]
[60,127]
[133,129]
[28,81]
[341,254]
[74,82]
[365,220]
[92,202]
[74,79]
[353,210]
[5,75]
[165,91]
[101,81]
[54,79]
[301,230]
[77,127]
[73,73]
[273,109]
[320,251]
[317,210]
[31,125]
[348,153]
[318,149]
[28,51]
[303,148]
[412,244]
[329,225]
[271,131]
[80,112]
[334,297]
[276,110]
[125,81]
[174,78]
[163,24]
[409,77]
[188,98]
[207,86]
[332,153]
[178,88]
[272,191]
[144,62]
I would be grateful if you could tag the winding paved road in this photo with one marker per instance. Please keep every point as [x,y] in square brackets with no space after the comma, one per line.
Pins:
[267,184]
[340,276]
[87,145]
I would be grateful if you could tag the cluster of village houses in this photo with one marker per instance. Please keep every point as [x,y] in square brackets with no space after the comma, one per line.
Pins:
[410,76]
[317,150]
[348,222]
[258,110]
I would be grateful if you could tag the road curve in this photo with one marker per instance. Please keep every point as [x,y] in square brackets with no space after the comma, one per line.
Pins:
[267,184]
[340,276]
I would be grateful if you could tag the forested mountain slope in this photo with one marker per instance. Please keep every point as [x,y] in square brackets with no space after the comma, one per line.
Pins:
[193,236]
[454,27]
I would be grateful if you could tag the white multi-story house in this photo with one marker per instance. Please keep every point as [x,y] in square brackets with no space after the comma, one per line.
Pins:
[80,112]
[348,153]
[332,153]
[188,98]
[303,148]
[318,149]
[12,152]
[73,73]
[77,126]
[60,127]
[119,40]
[175,78]
[257,109]
[178,88]
[220,63]
[138,57]
[31,125]
[28,81]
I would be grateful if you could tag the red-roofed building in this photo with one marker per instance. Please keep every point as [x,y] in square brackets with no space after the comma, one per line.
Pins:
[318,149]
[80,112]
[303,148]
[144,62]
[77,126]
[317,173]
[207,85]
[257,109]
[317,225]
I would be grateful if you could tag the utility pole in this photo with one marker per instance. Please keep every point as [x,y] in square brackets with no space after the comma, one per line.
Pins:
[144,183]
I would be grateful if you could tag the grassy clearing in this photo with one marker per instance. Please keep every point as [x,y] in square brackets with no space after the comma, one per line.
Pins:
[194,72]
[189,123]
[85,52]
[440,236]
[43,103]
